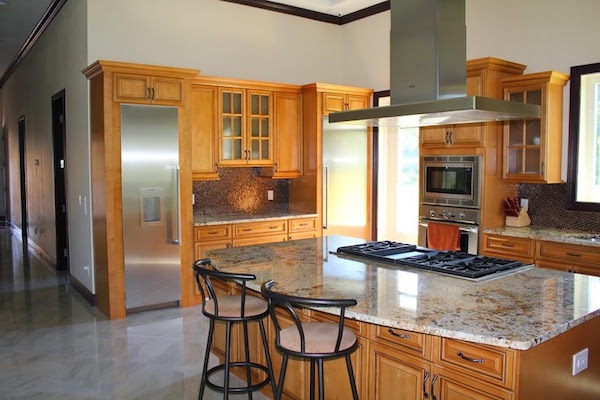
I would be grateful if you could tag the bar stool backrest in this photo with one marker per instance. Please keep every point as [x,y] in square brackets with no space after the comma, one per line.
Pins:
[204,275]
[287,303]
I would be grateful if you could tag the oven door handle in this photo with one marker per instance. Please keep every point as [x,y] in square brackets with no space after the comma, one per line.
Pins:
[462,228]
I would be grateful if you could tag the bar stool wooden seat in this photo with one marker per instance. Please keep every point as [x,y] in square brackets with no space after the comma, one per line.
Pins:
[231,309]
[315,341]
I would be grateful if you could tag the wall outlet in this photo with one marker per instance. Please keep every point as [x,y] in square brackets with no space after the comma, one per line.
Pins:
[580,361]
[525,204]
[269,195]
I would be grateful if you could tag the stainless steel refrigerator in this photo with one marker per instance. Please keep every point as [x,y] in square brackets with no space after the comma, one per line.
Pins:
[345,190]
[150,194]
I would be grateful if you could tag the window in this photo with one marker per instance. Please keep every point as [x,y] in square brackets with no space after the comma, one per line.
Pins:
[583,183]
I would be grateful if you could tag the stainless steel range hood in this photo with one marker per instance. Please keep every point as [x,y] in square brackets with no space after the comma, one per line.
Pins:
[428,75]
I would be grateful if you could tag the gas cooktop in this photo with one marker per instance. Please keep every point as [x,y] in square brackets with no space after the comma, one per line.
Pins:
[455,263]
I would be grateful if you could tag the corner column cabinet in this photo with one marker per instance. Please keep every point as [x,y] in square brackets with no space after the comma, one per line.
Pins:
[205,145]
[532,148]
[112,84]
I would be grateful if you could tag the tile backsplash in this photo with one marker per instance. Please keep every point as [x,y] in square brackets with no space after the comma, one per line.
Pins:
[547,208]
[240,190]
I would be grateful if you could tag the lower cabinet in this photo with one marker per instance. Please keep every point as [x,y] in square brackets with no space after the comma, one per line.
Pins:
[450,385]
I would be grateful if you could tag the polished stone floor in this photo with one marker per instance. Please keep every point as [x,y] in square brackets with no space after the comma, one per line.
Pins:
[54,345]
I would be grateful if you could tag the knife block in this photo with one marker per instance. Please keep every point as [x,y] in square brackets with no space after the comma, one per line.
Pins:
[520,221]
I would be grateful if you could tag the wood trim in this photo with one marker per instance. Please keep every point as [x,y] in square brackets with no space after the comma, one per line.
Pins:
[82,290]
[315,15]
[33,37]
[131,68]
[496,64]
[327,87]
[245,84]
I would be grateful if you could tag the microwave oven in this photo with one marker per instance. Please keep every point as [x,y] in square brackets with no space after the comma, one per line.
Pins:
[451,180]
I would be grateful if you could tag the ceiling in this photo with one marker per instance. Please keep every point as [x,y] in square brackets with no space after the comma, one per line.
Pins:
[17,20]
[332,7]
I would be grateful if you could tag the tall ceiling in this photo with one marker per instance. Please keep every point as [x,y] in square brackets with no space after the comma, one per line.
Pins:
[17,20]
[332,7]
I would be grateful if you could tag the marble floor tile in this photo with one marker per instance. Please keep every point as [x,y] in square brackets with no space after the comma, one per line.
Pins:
[54,345]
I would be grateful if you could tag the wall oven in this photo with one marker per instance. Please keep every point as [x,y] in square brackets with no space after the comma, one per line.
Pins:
[451,180]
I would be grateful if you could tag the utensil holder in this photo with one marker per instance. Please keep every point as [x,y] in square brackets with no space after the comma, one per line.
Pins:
[520,221]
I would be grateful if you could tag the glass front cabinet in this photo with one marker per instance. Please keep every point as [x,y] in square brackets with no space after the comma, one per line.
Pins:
[532,147]
[245,127]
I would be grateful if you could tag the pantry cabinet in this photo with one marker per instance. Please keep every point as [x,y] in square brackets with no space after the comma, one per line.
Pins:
[205,146]
[532,147]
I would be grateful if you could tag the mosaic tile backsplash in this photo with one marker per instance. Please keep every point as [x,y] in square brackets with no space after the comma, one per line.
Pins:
[240,190]
[547,208]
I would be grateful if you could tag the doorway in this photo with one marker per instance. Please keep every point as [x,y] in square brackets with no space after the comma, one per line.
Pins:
[23,174]
[60,188]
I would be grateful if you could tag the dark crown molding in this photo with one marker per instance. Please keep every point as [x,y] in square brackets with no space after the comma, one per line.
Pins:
[314,15]
[37,31]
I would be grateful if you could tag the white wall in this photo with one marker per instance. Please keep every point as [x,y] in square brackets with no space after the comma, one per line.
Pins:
[542,34]
[219,38]
[54,63]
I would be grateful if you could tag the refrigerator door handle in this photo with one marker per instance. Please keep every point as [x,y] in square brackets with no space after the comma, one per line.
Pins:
[175,230]
[326,205]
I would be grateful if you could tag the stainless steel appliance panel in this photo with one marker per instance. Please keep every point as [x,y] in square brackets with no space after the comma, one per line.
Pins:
[451,180]
[150,194]
[469,236]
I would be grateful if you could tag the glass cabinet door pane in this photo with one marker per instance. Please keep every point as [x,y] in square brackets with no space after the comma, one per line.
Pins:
[255,150]
[264,127]
[533,132]
[237,149]
[254,104]
[227,149]
[264,105]
[534,97]
[515,161]
[226,103]
[532,161]
[237,103]
[515,135]
[264,151]
[226,126]
[517,96]
[237,126]
[254,130]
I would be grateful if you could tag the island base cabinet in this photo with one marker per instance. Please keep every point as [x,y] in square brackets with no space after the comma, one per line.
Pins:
[450,385]
[396,375]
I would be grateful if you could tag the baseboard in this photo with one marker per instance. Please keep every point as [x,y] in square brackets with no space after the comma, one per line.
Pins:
[41,253]
[82,290]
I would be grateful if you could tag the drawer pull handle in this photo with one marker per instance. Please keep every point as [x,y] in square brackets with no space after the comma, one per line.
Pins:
[508,245]
[574,254]
[213,233]
[302,224]
[247,230]
[400,335]
[473,360]
[273,227]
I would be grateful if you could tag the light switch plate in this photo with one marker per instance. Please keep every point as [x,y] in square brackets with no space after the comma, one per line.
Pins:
[525,204]
[269,195]
[580,361]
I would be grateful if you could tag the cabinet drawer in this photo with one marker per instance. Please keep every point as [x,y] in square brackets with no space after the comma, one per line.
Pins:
[303,224]
[303,235]
[569,253]
[213,232]
[413,341]
[360,328]
[259,228]
[492,364]
[259,240]
[509,245]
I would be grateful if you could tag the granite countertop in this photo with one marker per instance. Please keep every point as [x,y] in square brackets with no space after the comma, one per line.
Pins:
[221,219]
[568,236]
[517,311]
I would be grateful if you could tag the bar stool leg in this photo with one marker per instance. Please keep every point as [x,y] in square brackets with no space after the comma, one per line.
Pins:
[248,375]
[351,375]
[312,378]
[321,381]
[226,373]
[268,356]
[282,377]
[206,356]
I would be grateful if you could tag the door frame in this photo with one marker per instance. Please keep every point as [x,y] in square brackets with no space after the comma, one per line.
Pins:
[59,124]
[21,131]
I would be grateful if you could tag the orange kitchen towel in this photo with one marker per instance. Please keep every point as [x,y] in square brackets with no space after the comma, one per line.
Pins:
[443,236]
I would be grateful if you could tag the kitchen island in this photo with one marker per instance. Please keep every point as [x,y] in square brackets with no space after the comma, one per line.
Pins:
[422,334]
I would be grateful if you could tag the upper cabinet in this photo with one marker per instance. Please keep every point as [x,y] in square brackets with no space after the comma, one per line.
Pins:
[333,102]
[205,145]
[135,88]
[245,127]
[288,135]
[532,148]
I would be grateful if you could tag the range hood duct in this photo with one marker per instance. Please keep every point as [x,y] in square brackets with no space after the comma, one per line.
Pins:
[428,73]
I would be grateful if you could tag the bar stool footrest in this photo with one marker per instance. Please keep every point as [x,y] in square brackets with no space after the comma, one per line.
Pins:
[237,390]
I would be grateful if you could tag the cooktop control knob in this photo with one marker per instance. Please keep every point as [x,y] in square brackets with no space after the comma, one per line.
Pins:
[432,213]
[462,215]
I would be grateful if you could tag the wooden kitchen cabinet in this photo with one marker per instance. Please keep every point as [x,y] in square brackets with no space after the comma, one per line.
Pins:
[451,385]
[134,88]
[568,257]
[509,247]
[245,128]
[205,145]
[333,102]
[287,135]
[532,148]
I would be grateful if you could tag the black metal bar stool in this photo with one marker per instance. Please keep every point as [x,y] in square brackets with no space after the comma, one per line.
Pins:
[316,341]
[231,309]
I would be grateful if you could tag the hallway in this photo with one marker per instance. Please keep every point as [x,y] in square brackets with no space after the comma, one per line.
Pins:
[54,345]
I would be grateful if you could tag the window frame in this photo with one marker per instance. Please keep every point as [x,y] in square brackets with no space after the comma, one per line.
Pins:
[574,113]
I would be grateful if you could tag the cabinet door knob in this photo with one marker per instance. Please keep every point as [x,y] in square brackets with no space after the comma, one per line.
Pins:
[149,95]
[275,167]
[216,167]
[152,93]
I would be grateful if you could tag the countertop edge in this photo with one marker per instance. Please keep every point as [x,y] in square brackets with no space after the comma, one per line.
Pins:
[556,235]
[254,219]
